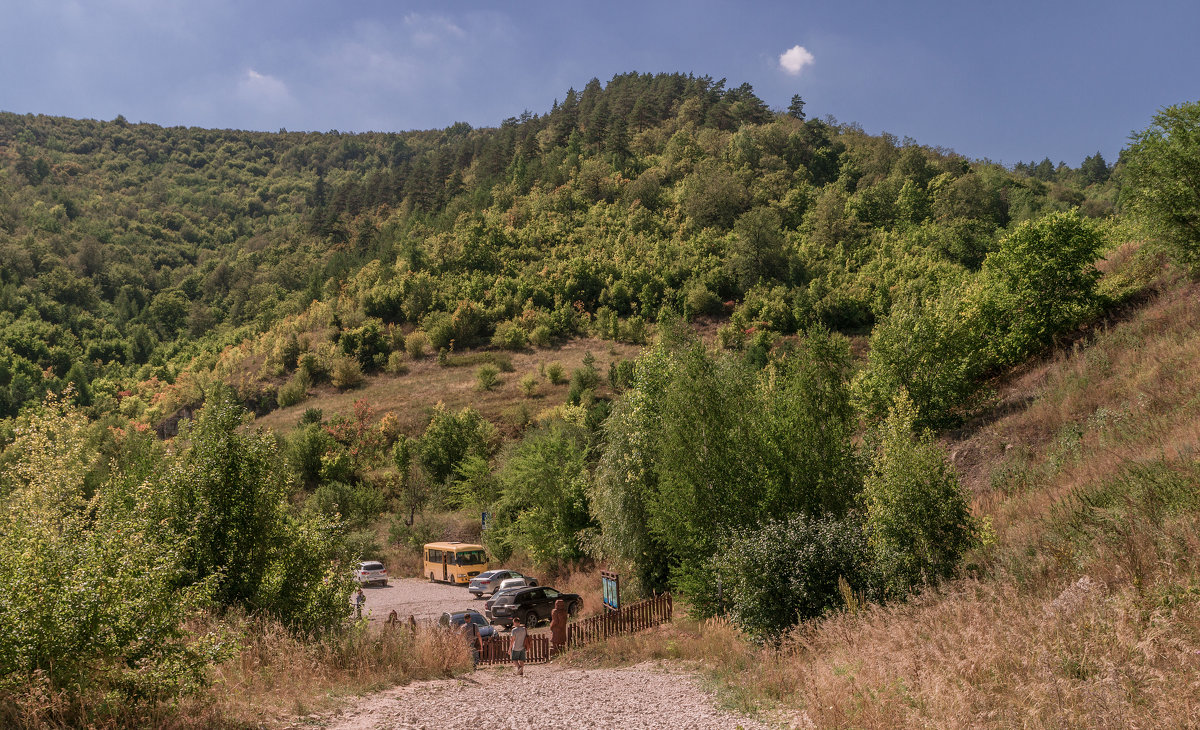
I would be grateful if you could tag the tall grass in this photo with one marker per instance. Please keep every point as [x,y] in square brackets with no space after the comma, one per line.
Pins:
[272,675]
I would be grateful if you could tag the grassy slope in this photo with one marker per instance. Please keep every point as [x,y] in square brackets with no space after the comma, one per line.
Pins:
[412,395]
[1084,612]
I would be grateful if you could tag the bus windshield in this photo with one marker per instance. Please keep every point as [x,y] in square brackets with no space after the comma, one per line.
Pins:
[471,557]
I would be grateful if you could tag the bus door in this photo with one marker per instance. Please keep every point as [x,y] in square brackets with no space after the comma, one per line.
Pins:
[446,565]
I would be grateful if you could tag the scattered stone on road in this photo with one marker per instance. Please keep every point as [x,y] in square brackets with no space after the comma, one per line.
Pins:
[644,697]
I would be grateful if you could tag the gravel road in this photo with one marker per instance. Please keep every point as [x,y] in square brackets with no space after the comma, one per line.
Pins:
[643,697]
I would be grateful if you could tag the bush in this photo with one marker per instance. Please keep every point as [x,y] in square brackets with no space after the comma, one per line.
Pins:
[295,390]
[529,385]
[919,518]
[395,364]
[700,301]
[541,336]
[773,576]
[555,372]
[93,601]
[487,377]
[450,438]
[417,345]
[356,504]
[346,373]
[509,336]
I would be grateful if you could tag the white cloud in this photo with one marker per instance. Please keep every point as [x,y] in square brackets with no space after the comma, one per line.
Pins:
[263,90]
[794,59]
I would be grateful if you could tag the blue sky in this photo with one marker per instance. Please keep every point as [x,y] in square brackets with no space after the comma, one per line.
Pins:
[1007,81]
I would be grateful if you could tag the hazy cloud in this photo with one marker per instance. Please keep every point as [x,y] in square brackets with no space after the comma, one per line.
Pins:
[794,59]
[263,90]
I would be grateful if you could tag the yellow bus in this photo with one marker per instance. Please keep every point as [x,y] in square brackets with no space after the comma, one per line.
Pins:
[454,562]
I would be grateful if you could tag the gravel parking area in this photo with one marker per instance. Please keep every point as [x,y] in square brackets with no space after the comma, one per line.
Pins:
[643,697]
[416,597]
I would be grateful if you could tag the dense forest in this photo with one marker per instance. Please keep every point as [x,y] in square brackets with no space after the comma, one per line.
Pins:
[816,305]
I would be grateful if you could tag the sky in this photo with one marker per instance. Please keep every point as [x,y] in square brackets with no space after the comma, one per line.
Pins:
[1006,81]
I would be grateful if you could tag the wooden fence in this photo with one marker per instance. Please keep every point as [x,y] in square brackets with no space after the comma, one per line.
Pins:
[497,649]
[634,617]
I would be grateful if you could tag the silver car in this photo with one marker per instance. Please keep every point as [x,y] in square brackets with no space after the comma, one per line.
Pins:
[489,581]
[371,571]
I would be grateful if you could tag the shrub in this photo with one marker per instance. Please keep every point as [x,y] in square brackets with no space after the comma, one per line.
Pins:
[295,390]
[540,336]
[452,437]
[529,385]
[417,345]
[92,596]
[772,576]
[487,377]
[509,336]
[555,372]
[346,373]
[311,415]
[700,301]
[918,516]
[355,504]
[395,364]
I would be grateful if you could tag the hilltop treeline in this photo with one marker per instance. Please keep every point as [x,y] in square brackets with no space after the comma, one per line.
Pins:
[127,250]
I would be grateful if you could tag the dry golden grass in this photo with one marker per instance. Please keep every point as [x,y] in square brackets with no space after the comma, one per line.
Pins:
[271,678]
[1090,631]
[412,395]
[971,655]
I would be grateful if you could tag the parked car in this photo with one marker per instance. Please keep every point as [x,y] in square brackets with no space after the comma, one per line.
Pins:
[487,607]
[489,581]
[371,571]
[533,605]
[458,618]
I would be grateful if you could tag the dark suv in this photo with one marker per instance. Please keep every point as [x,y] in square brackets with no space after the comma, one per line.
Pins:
[532,605]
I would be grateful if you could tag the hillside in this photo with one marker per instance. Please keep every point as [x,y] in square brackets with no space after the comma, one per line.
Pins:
[911,437]
[1082,610]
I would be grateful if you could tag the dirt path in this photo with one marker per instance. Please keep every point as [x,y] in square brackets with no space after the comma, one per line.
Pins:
[642,697]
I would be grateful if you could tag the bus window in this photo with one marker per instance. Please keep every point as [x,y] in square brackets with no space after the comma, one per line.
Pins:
[435,556]
[471,557]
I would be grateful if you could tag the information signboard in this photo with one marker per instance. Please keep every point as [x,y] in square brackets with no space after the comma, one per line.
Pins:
[610,584]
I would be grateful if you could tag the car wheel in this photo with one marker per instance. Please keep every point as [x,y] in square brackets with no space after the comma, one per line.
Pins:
[531,618]
[573,608]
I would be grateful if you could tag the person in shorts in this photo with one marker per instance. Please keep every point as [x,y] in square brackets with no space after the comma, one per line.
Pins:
[519,634]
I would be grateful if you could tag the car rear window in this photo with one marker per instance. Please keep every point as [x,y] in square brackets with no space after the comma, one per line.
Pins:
[372,566]
[503,599]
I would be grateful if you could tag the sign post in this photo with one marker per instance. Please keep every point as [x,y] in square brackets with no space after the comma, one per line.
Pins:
[610,584]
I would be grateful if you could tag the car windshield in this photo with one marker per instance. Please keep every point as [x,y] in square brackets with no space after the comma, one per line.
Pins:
[470,557]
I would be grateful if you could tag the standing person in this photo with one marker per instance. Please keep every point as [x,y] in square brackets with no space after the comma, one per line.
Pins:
[470,632]
[519,634]
[558,626]
[360,599]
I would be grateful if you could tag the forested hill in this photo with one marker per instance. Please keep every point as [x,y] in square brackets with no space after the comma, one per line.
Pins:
[130,253]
